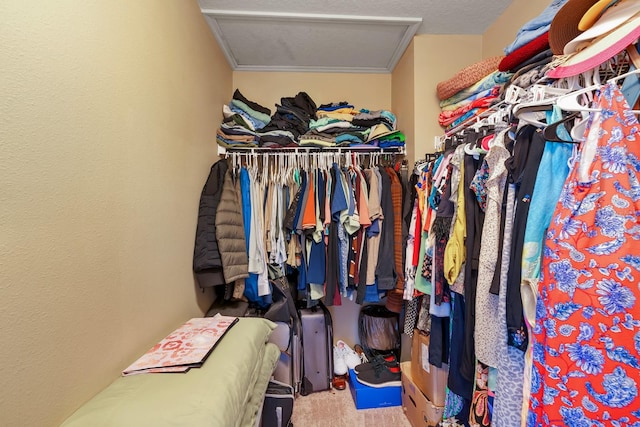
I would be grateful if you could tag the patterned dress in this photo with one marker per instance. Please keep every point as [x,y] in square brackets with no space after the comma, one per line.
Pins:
[586,348]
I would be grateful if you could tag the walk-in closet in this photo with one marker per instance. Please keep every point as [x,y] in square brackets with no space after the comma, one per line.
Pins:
[323,213]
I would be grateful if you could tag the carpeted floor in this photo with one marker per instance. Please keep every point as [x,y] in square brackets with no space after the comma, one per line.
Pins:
[335,408]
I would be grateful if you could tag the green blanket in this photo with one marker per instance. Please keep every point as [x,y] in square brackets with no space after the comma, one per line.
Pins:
[226,391]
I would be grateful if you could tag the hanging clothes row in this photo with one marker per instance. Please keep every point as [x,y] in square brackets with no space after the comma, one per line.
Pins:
[522,266]
[336,221]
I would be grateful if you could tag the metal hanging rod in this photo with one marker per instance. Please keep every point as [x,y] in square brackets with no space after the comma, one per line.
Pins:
[306,150]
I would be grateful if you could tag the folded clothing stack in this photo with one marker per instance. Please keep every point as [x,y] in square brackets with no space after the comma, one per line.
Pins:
[340,124]
[291,119]
[535,28]
[471,91]
[530,53]
[298,122]
[242,121]
[248,124]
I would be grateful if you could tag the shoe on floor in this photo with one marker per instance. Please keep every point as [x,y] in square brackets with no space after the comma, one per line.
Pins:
[349,356]
[380,376]
[339,382]
[339,363]
[387,359]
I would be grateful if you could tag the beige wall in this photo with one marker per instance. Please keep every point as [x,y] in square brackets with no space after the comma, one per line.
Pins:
[427,61]
[107,121]
[437,58]
[504,29]
[403,97]
[372,91]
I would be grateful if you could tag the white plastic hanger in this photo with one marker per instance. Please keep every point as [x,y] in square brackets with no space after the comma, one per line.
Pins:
[570,101]
[622,76]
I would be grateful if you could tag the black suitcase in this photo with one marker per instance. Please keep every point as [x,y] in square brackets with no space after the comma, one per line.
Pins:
[278,405]
[317,349]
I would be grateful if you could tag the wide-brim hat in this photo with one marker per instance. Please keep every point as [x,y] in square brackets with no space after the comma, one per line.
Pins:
[594,13]
[564,26]
[612,18]
[601,48]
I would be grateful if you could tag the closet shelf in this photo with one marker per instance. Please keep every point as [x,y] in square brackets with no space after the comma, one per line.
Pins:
[305,150]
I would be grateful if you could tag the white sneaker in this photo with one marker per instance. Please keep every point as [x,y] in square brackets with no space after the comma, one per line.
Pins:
[339,364]
[349,356]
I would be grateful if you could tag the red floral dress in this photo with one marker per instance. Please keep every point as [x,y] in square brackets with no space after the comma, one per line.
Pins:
[586,349]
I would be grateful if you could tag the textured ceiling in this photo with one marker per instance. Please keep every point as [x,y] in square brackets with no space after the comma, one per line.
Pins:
[336,35]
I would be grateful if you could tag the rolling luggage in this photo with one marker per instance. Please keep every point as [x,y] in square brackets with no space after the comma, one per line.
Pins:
[317,349]
[287,337]
[278,405]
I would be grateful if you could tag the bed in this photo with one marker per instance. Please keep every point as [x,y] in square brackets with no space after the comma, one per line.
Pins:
[228,390]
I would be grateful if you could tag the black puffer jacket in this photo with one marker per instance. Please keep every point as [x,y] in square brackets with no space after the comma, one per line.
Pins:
[207,263]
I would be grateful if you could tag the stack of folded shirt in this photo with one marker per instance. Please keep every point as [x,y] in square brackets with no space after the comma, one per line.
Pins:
[243,119]
[530,48]
[291,119]
[470,92]
[380,128]
[536,27]
[297,122]
[331,121]
[340,124]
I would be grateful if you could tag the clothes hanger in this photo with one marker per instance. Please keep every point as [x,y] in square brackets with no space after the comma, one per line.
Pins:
[542,99]
[569,102]
[550,133]
[622,76]
[280,170]
[531,115]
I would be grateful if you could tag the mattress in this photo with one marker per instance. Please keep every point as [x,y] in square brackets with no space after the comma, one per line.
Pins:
[226,391]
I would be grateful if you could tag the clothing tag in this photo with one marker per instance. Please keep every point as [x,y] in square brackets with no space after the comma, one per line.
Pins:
[426,366]
[538,93]
[513,94]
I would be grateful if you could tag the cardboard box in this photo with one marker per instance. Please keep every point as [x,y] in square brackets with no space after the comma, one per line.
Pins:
[366,397]
[418,409]
[430,380]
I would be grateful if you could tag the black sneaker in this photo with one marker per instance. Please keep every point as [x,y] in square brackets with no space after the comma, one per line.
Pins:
[380,376]
[387,359]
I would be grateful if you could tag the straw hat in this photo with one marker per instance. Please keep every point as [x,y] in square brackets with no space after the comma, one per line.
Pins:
[466,77]
[617,28]
[594,13]
[564,26]
[612,18]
